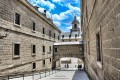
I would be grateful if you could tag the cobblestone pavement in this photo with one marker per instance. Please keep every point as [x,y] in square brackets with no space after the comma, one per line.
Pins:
[67,75]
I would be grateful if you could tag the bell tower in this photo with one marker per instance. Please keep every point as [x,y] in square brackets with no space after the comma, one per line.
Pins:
[75,24]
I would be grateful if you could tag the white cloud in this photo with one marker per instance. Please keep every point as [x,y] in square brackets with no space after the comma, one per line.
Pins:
[66,1]
[69,27]
[73,9]
[61,16]
[50,5]
[56,0]
[57,23]
[41,9]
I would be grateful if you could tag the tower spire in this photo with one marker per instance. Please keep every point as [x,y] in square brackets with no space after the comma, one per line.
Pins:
[74,15]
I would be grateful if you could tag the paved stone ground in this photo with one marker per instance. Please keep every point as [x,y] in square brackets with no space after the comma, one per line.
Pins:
[67,75]
[80,75]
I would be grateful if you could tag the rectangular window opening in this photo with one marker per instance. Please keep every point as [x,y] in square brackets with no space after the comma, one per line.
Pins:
[16,49]
[34,65]
[98,46]
[33,49]
[33,26]
[17,18]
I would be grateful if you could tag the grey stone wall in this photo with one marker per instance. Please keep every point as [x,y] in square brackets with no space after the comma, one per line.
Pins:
[74,50]
[102,14]
[24,35]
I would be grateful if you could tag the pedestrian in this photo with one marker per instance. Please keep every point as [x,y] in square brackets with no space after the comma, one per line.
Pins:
[65,65]
[80,67]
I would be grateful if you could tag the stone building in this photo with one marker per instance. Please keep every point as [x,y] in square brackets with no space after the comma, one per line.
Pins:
[101,35]
[28,46]
[70,45]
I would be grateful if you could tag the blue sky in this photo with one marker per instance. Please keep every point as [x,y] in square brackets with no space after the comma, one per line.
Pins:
[62,11]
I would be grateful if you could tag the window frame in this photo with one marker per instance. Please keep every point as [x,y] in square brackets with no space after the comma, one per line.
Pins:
[49,33]
[98,47]
[99,62]
[56,49]
[43,31]
[50,60]
[43,63]
[33,53]
[43,50]
[18,25]
[33,26]
[16,56]
[34,65]
[54,35]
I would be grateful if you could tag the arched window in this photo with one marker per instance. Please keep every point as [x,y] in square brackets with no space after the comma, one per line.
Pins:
[75,26]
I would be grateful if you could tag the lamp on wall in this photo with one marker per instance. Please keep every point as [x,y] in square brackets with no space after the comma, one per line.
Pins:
[5,34]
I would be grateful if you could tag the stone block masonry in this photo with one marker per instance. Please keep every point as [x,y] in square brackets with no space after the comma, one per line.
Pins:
[24,35]
[101,17]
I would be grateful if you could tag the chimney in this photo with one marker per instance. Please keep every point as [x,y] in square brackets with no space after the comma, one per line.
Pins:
[45,12]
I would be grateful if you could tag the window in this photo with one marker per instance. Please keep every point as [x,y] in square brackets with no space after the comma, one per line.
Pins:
[56,50]
[17,18]
[34,65]
[50,33]
[43,62]
[89,47]
[58,37]
[43,48]
[33,26]
[16,49]
[54,35]
[75,35]
[50,48]
[43,30]
[69,36]
[50,59]
[98,46]
[75,26]
[86,47]
[33,49]
[62,36]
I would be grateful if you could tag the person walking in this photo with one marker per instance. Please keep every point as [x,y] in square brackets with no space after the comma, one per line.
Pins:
[80,67]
